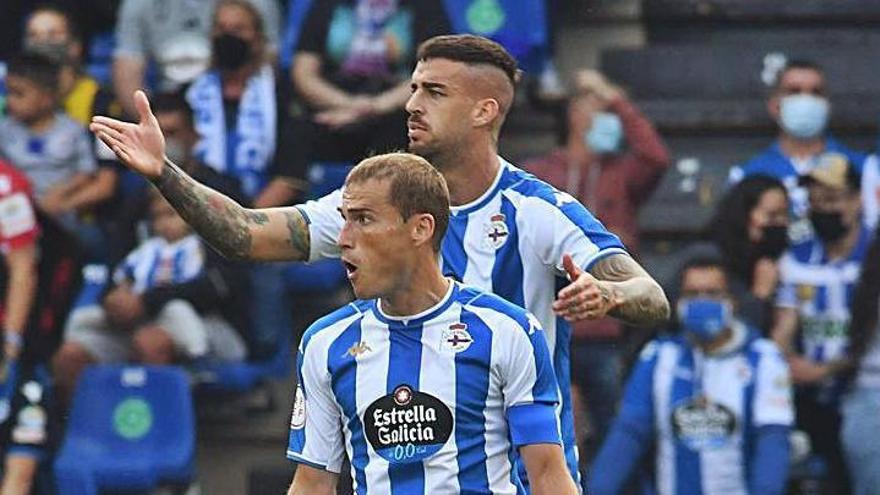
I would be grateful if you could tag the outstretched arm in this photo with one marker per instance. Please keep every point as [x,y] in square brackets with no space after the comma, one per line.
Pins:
[616,286]
[234,231]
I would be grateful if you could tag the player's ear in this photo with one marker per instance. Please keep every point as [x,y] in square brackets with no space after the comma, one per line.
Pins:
[485,112]
[423,226]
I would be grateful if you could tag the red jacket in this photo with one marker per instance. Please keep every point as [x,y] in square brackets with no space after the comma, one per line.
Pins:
[614,188]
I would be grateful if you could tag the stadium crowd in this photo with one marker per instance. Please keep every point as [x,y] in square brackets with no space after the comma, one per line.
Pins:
[771,356]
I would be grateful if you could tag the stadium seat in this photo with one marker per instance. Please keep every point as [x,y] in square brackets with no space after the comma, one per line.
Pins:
[749,12]
[519,25]
[100,57]
[130,428]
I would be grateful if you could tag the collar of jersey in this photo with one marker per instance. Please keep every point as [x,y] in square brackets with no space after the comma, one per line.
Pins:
[419,318]
[484,198]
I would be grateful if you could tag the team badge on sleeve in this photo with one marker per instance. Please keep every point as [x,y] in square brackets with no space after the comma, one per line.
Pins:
[298,416]
[456,338]
[496,231]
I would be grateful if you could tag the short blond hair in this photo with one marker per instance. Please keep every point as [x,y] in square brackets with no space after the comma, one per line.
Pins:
[416,187]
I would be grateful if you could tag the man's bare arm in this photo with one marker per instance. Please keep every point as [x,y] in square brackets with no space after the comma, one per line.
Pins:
[236,232]
[636,297]
[545,465]
[313,481]
[276,234]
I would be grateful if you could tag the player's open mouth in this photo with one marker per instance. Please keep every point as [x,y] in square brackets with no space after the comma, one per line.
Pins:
[350,268]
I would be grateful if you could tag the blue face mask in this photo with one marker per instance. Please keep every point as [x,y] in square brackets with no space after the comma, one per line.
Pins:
[704,318]
[606,133]
[803,116]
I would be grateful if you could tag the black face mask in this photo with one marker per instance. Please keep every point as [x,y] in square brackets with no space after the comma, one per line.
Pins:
[828,225]
[774,241]
[230,52]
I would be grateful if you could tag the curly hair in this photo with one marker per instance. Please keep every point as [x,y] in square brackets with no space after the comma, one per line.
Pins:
[729,228]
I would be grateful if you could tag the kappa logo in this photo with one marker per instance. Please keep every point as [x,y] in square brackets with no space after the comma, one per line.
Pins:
[456,338]
[496,231]
[358,349]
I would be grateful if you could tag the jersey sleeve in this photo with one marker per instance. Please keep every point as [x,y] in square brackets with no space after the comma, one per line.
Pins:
[85,154]
[529,387]
[786,293]
[325,222]
[18,222]
[773,392]
[315,421]
[562,225]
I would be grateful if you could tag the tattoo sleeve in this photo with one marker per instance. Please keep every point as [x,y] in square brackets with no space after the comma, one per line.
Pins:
[234,231]
[639,298]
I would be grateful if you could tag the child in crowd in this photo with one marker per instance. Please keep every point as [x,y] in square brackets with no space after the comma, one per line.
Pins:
[168,302]
[52,150]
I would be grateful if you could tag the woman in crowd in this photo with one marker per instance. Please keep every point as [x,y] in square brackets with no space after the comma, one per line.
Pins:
[751,231]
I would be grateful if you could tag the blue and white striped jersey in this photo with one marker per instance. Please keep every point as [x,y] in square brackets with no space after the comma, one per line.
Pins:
[510,241]
[156,263]
[705,409]
[432,403]
[821,292]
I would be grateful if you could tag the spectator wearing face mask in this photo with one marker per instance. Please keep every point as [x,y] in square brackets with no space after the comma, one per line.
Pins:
[750,229]
[713,402]
[817,277]
[239,110]
[612,161]
[174,36]
[799,104]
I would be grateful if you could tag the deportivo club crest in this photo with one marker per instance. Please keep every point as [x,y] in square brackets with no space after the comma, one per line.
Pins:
[456,338]
[496,231]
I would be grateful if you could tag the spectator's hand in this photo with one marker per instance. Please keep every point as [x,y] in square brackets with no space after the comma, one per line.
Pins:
[586,298]
[765,278]
[123,307]
[52,203]
[141,146]
[589,81]
[357,110]
[805,371]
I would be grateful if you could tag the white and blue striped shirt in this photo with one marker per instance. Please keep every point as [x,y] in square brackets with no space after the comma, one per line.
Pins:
[510,241]
[156,262]
[432,403]
[703,414]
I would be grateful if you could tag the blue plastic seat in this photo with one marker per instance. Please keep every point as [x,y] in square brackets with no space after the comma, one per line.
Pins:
[296,17]
[100,57]
[130,428]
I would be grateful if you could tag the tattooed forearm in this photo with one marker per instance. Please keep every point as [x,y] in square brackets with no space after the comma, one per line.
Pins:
[298,232]
[640,299]
[234,231]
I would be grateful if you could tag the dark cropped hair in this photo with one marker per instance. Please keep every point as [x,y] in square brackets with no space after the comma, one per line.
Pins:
[796,63]
[700,262]
[470,49]
[69,19]
[172,102]
[729,228]
[36,68]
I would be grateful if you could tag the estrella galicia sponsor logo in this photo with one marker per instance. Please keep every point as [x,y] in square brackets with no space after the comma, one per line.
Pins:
[407,425]
[701,424]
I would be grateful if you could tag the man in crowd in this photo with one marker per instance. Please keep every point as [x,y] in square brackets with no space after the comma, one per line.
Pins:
[612,161]
[509,232]
[388,370]
[817,277]
[714,401]
[799,105]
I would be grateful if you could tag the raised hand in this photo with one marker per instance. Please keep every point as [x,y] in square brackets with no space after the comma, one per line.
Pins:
[141,146]
[586,298]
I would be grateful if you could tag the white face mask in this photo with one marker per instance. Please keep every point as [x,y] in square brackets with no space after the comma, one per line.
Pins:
[804,116]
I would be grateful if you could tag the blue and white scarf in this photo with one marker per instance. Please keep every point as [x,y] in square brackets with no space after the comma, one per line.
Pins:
[247,152]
